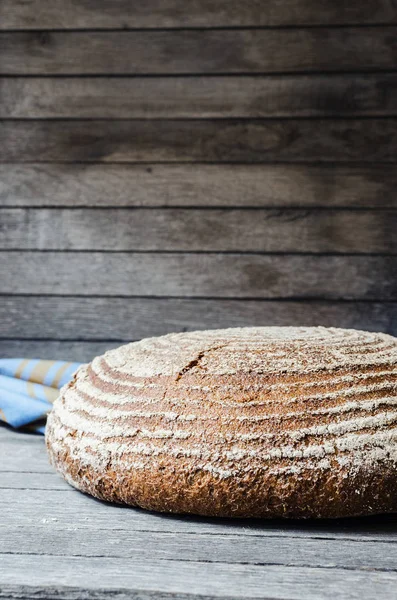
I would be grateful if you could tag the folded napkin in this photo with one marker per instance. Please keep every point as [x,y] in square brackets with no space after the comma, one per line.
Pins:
[28,388]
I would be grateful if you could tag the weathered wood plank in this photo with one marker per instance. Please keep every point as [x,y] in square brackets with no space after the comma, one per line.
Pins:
[74,350]
[199,97]
[64,507]
[127,319]
[199,275]
[15,480]
[198,52]
[20,456]
[107,14]
[61,592]
[211,579]
[339,140]
[198,185]
[231,548]
[67,508]
[249,230]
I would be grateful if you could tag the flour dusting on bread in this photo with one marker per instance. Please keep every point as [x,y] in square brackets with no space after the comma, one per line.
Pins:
[236,422]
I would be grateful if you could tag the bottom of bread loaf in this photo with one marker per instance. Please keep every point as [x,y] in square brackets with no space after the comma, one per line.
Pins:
[258,495]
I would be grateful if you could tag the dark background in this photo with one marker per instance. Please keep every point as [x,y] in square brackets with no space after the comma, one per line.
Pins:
[169,165]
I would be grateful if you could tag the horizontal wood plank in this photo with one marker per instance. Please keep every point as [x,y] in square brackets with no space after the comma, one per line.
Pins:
[107,14]
[72,350]
[14,480]
[65,508]
[184,579]
[365,140]
[172,229]
[199,97]
[127,319]
[200,51]
[20,457]
[230,547]
[199,275]
[61,507]
[219,185]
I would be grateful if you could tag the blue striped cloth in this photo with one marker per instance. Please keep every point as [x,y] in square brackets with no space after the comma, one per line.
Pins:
[28,387]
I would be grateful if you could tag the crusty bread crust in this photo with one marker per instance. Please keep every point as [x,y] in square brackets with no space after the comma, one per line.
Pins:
[247,422]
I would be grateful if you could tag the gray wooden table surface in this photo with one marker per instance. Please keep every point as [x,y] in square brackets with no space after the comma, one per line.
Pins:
[58,543]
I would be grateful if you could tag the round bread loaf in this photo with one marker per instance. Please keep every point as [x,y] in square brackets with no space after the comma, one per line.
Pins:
[251,422]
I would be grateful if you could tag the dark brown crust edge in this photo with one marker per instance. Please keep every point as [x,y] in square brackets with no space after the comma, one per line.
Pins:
[326,494]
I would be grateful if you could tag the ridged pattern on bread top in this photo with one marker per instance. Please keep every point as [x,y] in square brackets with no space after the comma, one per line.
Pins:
[235,402]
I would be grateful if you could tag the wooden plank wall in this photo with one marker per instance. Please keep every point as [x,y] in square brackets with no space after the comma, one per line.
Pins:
[169,165]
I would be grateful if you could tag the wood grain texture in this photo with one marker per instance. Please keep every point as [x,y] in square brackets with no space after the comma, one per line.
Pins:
[72,350]
[27,592]
[251,545]
[107,14]
[21,457]
[231,548]
[127,319]
[199,275]
[259,141]
[12,480]
[198,51]
[187,185]
[64,508]
[233,230]
[199,97]
[211,579]
[61,592]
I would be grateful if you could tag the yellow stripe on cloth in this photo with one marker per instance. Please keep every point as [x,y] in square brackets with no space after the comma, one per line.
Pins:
[59,374]
[2,416]
[51,394]
[21,367]
[40,370]
[30,389]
